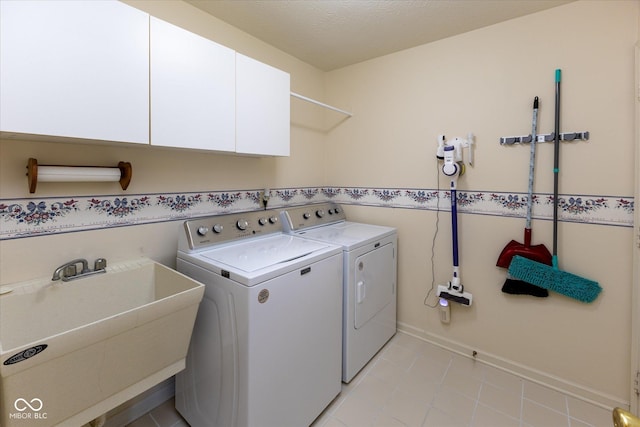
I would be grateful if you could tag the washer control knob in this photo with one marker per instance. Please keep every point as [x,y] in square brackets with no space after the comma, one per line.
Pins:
[273,219]
[262,221]
[242,224]
[306,215]
[217,228]
[203,230]
[337,210]
[320,213]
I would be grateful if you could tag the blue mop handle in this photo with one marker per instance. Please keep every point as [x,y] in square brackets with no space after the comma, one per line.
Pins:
[454,224]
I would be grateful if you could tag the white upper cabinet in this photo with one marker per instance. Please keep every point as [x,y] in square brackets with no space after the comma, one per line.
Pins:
[103,70]
[77,69]
[262,108]
[192,90]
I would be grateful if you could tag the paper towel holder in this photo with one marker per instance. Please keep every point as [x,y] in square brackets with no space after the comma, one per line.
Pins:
[56,173]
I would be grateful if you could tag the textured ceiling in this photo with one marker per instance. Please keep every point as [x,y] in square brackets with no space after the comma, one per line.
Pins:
[331,34]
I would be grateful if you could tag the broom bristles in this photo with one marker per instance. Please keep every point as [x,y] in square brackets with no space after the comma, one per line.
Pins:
[550,277]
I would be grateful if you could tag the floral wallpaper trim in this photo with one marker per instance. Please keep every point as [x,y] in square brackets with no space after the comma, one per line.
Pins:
[20,218]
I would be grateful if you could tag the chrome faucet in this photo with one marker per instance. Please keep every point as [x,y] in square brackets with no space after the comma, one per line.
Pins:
[69,271]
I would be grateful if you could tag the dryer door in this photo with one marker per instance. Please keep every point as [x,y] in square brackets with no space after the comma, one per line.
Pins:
[374,283]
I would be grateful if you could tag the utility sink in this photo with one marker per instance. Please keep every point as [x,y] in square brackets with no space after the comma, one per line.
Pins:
[71,351]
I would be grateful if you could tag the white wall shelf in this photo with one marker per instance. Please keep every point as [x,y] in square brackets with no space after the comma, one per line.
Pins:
[321,104]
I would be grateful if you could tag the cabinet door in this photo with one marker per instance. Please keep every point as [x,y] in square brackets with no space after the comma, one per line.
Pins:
[262,108]
[192,90]
[77,69]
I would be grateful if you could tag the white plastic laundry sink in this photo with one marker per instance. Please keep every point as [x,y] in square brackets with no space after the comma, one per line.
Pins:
[71,351]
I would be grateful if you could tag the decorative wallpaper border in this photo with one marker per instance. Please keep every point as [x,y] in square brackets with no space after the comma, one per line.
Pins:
[21,218]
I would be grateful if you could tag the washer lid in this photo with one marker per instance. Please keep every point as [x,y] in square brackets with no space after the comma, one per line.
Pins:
[257,254]
[348,234]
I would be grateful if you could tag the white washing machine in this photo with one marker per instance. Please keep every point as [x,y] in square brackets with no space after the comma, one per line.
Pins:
[266,346]
[370,265]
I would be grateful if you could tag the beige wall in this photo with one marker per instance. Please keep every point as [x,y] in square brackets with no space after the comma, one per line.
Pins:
[161,170]
[484,82]
[481,82]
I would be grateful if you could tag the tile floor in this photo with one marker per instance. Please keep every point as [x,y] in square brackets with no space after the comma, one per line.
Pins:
[414,383]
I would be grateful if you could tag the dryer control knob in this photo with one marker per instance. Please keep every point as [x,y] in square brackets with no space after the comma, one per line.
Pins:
[262,221]
[337,210]
[320,213]
[242,224]
[273,219]
[306,215]
[217,228]
[203,231]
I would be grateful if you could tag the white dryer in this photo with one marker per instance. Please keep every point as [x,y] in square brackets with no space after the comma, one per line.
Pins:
[369,279]
[266,346]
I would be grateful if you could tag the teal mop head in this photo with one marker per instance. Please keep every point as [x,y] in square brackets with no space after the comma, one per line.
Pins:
[550,277]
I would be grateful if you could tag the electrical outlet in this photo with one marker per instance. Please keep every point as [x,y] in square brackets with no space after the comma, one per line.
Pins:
[445,310]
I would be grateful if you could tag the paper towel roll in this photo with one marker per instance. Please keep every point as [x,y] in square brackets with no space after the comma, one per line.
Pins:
[77,174]
[50,173]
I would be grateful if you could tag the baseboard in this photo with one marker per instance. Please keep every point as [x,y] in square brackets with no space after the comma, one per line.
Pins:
[142,404]
[578,391]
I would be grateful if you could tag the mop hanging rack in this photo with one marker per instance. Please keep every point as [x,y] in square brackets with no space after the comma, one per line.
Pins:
[547,137]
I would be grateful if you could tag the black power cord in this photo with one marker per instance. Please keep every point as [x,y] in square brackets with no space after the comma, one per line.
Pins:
[433,241]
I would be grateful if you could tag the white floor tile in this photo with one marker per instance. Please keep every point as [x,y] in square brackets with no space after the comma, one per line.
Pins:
[502,400]
[545,396]
[537,415]
[488,417]
[503,379]
[406,408]
[459,407]
[438,418]
[429,370]
[385,420]
[412,383]
[399,355]
[463,383]
[357,411]
[468,367]
[373,390]
[418,388]
[588,413]
[330,422]
[388,372]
